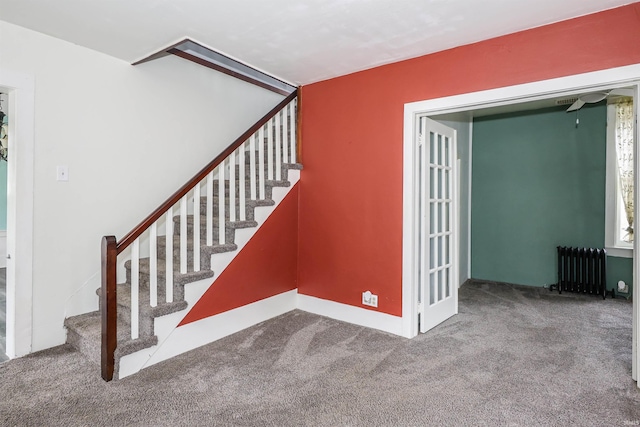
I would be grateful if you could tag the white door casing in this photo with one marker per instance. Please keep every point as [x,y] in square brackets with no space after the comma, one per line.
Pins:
[437,229]
[20,177]
[626,76]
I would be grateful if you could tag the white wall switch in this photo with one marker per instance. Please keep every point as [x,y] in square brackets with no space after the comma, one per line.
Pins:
[62,173]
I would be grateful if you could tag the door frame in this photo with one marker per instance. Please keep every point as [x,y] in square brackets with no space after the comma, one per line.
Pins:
[20,182]
[557,87]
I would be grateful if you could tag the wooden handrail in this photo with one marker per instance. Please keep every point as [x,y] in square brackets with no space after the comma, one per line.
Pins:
[155,215]
[226,70]
[111,248]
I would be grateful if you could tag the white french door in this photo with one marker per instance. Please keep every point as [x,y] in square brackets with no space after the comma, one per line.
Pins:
[437,228]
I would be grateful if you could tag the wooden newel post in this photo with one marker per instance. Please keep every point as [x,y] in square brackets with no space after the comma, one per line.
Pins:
[108,307]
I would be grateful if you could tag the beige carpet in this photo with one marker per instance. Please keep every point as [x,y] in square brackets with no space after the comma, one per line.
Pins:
[513,356]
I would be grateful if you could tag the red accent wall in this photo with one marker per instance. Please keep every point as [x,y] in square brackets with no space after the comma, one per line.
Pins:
[266,266]
[350,218]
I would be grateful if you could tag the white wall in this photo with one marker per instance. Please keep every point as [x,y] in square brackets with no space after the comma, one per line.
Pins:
[130,137]
[462,122]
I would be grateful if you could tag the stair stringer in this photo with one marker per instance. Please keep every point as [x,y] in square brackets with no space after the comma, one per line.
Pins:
[174,340]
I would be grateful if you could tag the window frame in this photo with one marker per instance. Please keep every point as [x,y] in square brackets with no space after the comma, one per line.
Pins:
[613,242]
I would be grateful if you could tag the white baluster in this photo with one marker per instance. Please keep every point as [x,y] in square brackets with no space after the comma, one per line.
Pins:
[261,163]
[196,228]
[252,167]
[210,209]
[183,235]
[169,258]
[270,149]
[153,265]
[285,137]
[292,126]
[221,201]
[232,186]
[241,185]
[135,286]
[278,148]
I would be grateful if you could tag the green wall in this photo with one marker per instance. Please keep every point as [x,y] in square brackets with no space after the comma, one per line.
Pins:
[538,181]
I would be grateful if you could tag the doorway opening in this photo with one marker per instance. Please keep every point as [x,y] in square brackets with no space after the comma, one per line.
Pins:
[20,90]
[4,137]
[508,97]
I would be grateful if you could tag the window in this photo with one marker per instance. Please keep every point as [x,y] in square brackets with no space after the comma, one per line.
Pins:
[619,209]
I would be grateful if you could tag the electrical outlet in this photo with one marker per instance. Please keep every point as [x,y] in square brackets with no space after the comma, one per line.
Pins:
[369,299]
[623,288]
[62,173]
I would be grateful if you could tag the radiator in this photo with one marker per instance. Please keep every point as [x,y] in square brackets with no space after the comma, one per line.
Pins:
[582,270]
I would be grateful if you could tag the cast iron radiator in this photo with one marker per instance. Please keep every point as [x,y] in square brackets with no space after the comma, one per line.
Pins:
[582,270]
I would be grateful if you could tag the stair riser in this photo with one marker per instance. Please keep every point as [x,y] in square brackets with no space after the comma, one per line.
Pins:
[247,171]
[176,264]
[284,173]
[83,346]
[144,284]
[248,209]
[247,192]
[205,256]
[229,234]
[145,320]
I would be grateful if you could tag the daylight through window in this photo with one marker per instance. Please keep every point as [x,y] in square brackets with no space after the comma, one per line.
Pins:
[624,162]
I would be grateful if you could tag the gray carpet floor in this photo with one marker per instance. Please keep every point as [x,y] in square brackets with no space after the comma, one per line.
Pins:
[513,356]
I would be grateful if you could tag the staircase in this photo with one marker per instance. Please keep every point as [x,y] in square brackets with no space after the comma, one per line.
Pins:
[176,247]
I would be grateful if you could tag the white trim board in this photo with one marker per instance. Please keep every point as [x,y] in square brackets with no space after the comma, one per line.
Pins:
[178,340]
[351,314]
[20,171]
[470,191]
[563,86]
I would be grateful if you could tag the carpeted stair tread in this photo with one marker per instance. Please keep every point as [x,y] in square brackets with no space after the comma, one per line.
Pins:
[283,168]
[229,230]
[250,206]
[216,220]
[243,224]
[123,297]
[131,346]
[87,327]
[178,278]
[218,249]
[279,183]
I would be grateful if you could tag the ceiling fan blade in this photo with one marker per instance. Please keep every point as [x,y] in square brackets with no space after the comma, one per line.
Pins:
[622,92]
[576,105]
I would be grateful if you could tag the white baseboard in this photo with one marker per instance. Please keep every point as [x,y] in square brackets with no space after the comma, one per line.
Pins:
[173,340]
[178,340]
[208,330]
[348,313]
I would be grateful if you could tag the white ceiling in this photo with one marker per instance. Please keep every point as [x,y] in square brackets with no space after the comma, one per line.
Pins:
[301,41]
